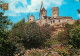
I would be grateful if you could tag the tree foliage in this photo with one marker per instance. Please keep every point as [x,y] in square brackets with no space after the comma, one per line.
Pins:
[4,22]
[6,48]
[29,34]
[71,34]
[75,37]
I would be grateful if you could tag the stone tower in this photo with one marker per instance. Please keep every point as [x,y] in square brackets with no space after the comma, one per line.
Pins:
[42,13]
[55,12]
[31,19]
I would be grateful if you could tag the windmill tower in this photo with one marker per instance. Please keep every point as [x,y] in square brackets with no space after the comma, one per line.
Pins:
[43,12]
[41,9]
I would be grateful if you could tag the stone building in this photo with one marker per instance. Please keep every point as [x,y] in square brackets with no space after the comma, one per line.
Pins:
[55,12]
[54,20]
[59,20]
[42,13]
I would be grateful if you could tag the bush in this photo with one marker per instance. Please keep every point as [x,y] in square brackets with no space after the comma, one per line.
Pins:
[34,35]
[30,35]
[6,48]
[65,50]
[65,35]
[71,35]
[75,37]
[77,22]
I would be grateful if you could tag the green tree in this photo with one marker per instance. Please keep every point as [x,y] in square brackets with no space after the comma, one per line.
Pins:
[6,48]
[75,37]
[20,23]
[71,34]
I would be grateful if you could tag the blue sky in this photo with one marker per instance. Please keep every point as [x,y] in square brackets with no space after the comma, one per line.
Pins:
[19,9]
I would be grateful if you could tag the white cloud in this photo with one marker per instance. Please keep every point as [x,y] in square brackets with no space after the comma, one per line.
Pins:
[10,13]
[35,4]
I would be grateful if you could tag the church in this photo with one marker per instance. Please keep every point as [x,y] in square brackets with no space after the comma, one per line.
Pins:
[54,20]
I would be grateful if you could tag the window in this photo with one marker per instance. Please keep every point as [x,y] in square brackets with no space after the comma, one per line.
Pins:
[59,20]
[51,22]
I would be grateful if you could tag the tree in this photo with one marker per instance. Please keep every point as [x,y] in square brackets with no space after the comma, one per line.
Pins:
[6,48]
[20,23]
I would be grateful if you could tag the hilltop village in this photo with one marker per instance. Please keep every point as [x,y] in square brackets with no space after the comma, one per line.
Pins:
[54,20]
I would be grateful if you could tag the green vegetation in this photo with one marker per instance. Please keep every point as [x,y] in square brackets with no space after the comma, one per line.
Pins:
[75,37]
[23,38]
[71,36]
[28,35]
[6,48]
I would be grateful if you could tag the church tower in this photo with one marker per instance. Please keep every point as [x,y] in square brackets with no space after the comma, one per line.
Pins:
[55,12]
[31,19]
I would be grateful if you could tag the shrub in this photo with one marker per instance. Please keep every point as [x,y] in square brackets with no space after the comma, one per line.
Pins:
[75,37]
[77,22]
[71,35]
[35,36]
[64,50]
[6,48]
[30,35]
[65,35]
